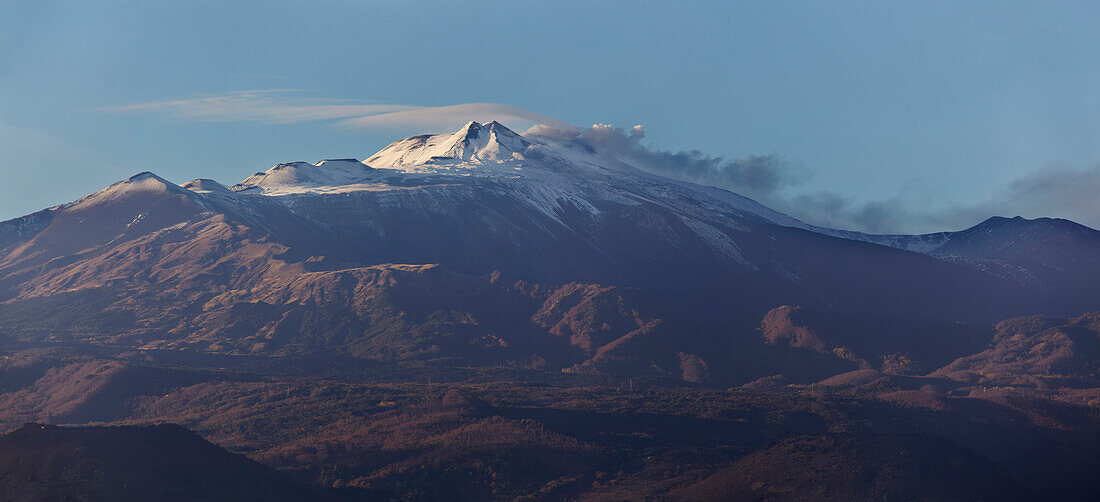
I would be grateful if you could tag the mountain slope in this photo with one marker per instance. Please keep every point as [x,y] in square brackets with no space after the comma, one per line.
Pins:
[1052,254]
[1036,351]
[858,467]
[162,462]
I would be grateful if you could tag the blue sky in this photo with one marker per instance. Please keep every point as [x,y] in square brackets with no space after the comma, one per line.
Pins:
[887,116]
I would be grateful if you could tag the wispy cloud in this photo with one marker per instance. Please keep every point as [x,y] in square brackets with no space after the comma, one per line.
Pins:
[280,106]
[449,116]
[272,106]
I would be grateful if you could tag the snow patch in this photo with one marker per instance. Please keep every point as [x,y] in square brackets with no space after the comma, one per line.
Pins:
[717,240]
[473,144]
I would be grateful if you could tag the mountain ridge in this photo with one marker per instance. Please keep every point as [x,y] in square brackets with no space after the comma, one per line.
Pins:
[315,257]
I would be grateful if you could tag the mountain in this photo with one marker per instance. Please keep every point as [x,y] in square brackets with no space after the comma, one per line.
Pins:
[160,462]
[1052,254]
[487,247]
[474,144]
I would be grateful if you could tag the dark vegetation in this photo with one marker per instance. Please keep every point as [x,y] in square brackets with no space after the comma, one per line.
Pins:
[357,431]
[845,467]
[159,462]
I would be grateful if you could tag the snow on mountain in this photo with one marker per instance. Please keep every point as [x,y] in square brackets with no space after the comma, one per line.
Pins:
[145,183]
[432,176]
[549,175]
[472,145]
[205,186]
[924,243]
[484,201]
[991,238]
[142,204]
[302,177]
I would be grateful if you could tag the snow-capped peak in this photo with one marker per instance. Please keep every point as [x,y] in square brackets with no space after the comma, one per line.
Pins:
[141,183]
[473,143]
[303,175]
[205,185]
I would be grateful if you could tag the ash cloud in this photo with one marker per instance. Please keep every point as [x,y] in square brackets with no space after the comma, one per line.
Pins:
[892,215]
[1053,191]
[1073,193]
[758,176]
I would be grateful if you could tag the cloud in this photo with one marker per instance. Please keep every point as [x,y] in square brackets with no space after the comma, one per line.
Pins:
[450,117]
[279,106]
[1067,191]
[1050,192]
[270,106]
[891,215]
[569,132]
[758,176]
